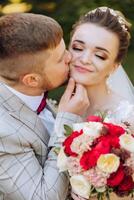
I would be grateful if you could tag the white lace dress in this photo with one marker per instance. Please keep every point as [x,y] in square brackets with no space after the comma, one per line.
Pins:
[124,112]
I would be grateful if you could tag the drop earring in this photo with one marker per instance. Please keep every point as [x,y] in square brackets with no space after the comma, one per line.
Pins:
[108,84]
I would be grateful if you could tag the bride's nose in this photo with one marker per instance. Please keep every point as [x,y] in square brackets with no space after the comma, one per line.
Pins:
[86,57]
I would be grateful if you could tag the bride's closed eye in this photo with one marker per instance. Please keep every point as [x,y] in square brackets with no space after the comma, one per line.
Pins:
[101,57]
[77,49]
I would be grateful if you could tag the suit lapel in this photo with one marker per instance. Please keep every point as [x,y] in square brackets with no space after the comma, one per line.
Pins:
[17,109]
[51,108]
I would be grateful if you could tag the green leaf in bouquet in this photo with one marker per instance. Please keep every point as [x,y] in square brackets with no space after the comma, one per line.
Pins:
[110,189]
[56,150]
[101,114]
[68,130]
[107,195]
[100,196]
[93,192]
[132,194]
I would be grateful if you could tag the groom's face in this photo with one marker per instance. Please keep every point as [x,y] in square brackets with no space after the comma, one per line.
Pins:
[56,69]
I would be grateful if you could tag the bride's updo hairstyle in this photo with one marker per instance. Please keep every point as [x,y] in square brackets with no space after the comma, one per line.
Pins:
[111,20]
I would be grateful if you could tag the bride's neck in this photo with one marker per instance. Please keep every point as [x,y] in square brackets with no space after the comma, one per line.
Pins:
[98,95]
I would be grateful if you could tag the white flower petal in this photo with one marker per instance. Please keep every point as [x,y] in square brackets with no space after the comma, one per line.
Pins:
[127,142]
[62,161]
[80,185]
[101,189]
[93,129]
[108,163]
[79,126]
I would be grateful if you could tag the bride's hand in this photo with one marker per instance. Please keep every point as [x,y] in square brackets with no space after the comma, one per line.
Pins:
[76,103]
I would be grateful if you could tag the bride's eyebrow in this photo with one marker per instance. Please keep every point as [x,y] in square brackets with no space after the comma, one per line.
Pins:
[99,48]
[79,41]
[103,49]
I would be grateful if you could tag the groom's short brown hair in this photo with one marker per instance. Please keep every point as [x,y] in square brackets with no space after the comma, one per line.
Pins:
[25,34]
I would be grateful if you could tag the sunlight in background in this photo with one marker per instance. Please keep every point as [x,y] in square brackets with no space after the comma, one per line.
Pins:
[50,7]
[15,1]
[15,6]
[19,6]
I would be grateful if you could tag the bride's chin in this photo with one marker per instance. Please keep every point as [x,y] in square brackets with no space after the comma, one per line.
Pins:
[76,78]
[79,80]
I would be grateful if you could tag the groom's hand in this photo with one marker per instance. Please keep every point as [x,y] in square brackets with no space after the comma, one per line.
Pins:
[77,102]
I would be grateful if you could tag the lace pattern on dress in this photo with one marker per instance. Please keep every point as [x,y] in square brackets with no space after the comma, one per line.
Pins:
[124,113]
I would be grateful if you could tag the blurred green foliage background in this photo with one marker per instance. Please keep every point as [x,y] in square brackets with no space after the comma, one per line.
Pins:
[66,12]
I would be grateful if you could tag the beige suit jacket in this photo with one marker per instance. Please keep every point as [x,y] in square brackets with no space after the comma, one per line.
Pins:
[27,169]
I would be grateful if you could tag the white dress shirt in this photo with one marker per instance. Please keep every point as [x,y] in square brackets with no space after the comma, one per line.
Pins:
[33,103]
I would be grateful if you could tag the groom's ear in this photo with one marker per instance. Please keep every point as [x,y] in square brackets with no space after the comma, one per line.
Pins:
[31,80]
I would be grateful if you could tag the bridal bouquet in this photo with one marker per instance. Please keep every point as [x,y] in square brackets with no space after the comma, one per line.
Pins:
[99,158]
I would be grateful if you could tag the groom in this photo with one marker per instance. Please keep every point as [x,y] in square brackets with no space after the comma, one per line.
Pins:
[33,60]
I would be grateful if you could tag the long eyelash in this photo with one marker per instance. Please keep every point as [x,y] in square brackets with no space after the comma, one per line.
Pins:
[76,49]
[102,58]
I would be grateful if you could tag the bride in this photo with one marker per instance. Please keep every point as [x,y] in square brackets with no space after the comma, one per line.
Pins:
[99,42]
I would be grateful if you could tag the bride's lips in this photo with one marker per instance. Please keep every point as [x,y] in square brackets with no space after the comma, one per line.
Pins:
[82,69]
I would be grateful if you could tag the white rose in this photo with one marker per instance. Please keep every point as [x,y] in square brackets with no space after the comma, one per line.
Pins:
[127,142]
[79,126]
[80,185]
[93,129]
[81,143]
[101,189]
[62,161]
[108,163]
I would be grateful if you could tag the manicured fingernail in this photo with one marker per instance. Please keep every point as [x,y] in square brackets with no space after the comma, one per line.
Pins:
[71,79]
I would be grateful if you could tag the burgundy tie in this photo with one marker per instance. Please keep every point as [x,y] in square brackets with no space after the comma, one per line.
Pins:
[42,104]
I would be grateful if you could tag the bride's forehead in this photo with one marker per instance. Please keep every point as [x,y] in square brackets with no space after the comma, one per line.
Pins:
[90,29]
[93,34]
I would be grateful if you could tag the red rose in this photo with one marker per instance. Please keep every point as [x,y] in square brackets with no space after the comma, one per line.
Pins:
[116,177]
[115,142]
[94,118]
[114,130]
[89,158]
[103,145]
[127,184]
[68,141]
[112,140]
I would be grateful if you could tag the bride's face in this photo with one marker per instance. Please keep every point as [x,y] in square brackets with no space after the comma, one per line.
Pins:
[94,50]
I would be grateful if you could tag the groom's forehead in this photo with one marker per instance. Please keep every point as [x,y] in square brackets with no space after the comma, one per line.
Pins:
[58,52]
